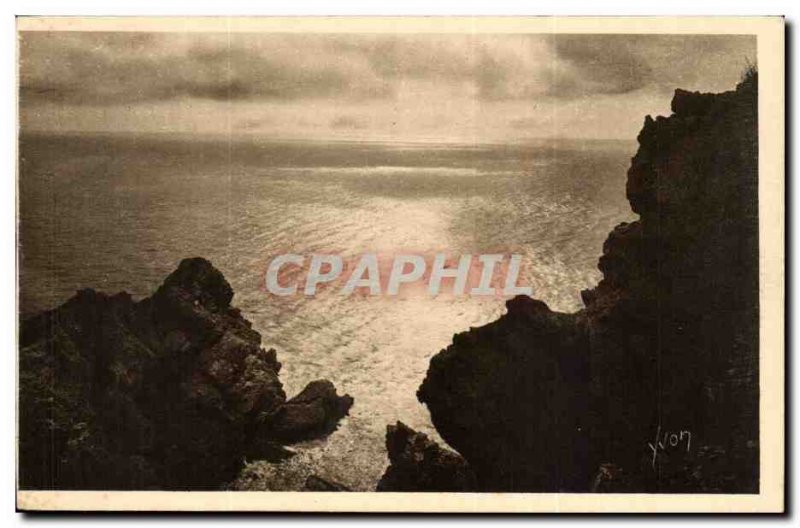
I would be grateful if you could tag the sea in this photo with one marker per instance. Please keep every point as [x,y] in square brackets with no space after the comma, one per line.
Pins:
[119,212]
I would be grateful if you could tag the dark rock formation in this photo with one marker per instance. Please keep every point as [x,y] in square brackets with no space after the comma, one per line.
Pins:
[666,345]
[315,483]
[419,464]
[313,413]
[171,392]
[496,395]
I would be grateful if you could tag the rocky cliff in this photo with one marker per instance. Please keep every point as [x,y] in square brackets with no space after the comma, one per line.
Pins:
[171,392]
[418,463]
[653,386]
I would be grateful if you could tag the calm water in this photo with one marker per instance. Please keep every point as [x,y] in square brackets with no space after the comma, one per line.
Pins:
[120,213]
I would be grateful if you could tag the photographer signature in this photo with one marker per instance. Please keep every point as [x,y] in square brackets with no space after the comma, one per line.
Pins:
[669,440]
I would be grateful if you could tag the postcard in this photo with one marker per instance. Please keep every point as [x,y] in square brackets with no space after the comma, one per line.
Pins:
[442,264]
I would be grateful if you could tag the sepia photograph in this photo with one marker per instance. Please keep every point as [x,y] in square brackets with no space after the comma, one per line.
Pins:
[430,264]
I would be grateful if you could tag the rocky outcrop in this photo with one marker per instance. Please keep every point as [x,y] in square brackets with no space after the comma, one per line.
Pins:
[504,407]
[313,413]
[171,392]
[653,386]
[315,483]
[419,464]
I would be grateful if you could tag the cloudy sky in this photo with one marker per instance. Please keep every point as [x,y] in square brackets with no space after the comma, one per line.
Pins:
[464,88]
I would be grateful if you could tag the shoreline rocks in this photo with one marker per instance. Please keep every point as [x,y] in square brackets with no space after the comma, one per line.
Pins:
[419,464]
[316,483]
[667,341]
[313,413]
[171,392]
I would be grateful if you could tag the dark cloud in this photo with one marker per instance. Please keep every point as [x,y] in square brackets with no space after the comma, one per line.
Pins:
[619,64]
[590,65]
[125,68]
[98,68]
[443,57]
[599,64]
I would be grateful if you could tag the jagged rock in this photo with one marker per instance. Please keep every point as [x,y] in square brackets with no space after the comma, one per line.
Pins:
[167,393]
[315,483]
[504,396]
[314,412]
[667,341]
[419,464]
[693,103]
